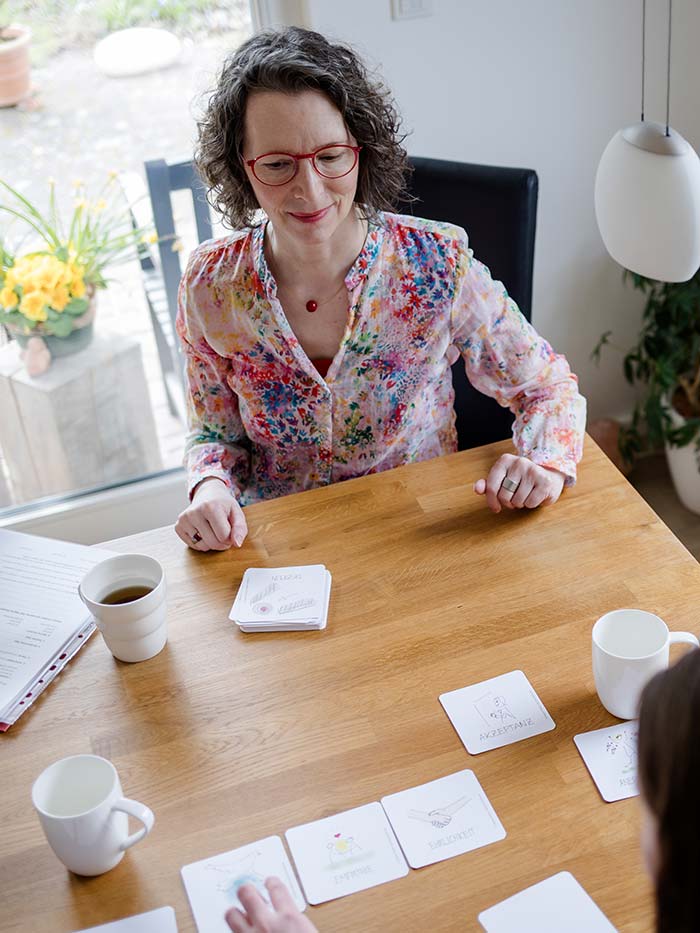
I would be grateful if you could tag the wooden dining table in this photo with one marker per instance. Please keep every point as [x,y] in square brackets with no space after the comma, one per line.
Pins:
[231,738]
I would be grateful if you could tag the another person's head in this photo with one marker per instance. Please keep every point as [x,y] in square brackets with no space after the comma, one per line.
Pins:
[669,780]
[293,91]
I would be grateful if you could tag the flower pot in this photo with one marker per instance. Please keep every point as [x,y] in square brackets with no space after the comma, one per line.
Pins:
[684,465]
[76,341]
[14,65]
[36,359]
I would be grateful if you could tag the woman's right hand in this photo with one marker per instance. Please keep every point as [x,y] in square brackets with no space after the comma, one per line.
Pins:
[281,917]
[214,520]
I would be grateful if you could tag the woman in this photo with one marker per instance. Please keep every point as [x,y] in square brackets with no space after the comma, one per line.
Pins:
[319,341]
[669,782]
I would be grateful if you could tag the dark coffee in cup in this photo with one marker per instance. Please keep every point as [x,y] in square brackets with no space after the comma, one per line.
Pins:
[126,594]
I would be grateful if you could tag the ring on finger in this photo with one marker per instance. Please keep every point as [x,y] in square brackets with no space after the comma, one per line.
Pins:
[196,537]
[509,485]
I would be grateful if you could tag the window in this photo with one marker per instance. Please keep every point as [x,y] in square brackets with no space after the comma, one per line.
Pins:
[100,416]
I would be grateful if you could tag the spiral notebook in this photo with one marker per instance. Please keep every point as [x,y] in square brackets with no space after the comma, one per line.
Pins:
[43,621]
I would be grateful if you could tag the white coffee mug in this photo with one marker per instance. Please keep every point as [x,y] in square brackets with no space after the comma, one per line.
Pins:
[136,630]
[629,647]
[84,815]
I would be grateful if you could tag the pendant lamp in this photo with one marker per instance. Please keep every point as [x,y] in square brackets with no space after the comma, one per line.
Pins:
[647,195]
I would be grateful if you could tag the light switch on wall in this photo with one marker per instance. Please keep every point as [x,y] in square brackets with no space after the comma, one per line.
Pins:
[409,9]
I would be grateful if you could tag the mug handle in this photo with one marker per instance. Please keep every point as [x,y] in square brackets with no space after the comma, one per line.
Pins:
[686,638]
[140,812]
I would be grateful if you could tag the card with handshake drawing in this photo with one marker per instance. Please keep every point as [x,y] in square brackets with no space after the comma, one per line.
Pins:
[443,818]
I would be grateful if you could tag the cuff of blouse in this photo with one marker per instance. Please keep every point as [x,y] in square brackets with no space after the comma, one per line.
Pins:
[566,467]
[196,481]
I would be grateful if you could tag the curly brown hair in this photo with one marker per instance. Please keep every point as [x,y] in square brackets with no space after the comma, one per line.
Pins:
[294,60]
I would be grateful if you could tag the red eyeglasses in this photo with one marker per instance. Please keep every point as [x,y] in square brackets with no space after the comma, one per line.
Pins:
[277,168]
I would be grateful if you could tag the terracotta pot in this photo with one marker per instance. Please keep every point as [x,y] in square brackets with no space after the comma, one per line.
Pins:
[14,65]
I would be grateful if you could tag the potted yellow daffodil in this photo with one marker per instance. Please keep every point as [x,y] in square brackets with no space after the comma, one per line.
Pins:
[48,291]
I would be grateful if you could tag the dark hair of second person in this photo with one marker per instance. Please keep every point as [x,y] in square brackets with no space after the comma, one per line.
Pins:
[669,779]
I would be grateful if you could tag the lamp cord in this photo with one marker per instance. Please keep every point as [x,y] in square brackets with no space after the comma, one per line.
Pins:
[644,29]
[668,67]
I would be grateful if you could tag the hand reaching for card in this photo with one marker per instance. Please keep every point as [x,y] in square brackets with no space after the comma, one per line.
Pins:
[259,917]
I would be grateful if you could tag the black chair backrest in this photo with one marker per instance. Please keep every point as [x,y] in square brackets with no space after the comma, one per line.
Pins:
[498,209]
[163,178]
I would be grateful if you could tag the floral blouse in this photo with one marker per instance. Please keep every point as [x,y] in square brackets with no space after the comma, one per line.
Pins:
[264,421]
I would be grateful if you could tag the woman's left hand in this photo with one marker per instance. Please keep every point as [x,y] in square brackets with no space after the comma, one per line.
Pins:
[527,485]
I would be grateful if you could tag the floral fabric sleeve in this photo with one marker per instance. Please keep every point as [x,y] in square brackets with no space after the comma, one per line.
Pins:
[506,359]
[216,443]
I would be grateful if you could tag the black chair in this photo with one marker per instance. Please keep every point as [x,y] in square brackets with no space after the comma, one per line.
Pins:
[496,206]
[498,209]
[161,269]
[163,179]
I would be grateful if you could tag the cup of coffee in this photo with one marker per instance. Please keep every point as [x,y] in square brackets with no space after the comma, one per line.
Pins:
[126,596]
[629,647]
[85,816]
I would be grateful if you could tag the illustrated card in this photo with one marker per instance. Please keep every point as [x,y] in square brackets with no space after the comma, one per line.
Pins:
[443,818]
[611,758]
[212,884]
[496,712]
[269,624]
[161,920]
[281,594]
[346,853]
[551,906]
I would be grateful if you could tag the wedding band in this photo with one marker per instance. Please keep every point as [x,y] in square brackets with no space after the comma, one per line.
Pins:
[509,484]
[196,537]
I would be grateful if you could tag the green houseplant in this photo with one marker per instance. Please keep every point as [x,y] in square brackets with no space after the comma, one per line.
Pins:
[48,291]
[665,367]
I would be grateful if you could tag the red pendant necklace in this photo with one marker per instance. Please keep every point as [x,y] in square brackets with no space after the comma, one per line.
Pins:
[312,304]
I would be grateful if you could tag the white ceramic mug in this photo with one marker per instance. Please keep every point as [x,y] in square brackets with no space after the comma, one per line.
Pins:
[136,630]
[629,647]
[84,814]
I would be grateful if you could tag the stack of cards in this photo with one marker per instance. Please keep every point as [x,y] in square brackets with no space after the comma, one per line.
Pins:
[282,599]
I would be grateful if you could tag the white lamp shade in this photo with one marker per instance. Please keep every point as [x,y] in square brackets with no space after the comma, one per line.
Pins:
[648,208]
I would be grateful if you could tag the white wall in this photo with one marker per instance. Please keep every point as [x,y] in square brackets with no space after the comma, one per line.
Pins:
[541,84]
